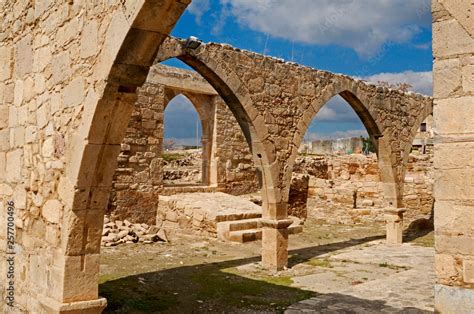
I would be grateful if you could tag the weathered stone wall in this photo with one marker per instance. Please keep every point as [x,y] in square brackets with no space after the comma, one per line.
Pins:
[55,63]
[235,167]
[453,48]
[348,189]
[139,174]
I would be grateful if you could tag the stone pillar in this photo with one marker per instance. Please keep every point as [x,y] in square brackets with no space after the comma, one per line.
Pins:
[275,243]
[453,49]
[394,223]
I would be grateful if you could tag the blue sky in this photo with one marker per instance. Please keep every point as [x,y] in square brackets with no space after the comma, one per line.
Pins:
[377,40]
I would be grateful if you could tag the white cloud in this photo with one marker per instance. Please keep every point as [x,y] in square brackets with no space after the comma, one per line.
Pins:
[337,110]
[198,8]
[363,25]
[180,104]
[421,82]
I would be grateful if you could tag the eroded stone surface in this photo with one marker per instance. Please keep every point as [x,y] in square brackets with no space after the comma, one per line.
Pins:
[384,279]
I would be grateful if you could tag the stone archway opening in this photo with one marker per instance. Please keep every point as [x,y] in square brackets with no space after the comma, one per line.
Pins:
[418,198]
[337,168]
[184,146]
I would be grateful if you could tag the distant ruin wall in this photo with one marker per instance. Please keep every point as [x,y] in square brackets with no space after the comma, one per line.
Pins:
[347,188]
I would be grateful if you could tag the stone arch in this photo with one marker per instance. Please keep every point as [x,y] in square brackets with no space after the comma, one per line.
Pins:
[90,172]
[236,96]
[132,44]
[203,106]
[350,92]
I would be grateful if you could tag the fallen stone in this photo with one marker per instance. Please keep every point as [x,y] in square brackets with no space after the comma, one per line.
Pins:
[122,234]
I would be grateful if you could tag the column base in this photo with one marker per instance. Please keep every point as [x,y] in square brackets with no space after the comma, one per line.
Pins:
[275,243]
[453,300]
[394,225]
[79,307]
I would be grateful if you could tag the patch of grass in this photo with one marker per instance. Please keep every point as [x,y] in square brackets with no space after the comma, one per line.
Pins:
[281,281]
[425,241]
[171,156]
[230,290]
[394,267]
[105,278]
[319,263]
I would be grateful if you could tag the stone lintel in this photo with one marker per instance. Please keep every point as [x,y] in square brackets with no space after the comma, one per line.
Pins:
[91,306]
[276,224]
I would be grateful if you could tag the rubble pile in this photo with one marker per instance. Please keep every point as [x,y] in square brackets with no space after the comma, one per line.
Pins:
[187,168]
[120,232]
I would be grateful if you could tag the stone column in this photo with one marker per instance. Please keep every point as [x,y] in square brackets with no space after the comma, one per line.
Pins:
[394,223]
[275,243]
[453,49]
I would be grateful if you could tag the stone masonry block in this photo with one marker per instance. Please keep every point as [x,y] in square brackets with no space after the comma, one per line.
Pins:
[450,215]
[468,270]
[454,184]
[450,38]
[446,77]
[454,116]
[454,244]
[81,277]
[453,155]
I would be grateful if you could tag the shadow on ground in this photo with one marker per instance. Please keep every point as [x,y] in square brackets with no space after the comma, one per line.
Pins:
[215,287]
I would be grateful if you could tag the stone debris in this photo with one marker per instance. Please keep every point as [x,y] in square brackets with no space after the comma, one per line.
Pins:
[120,232]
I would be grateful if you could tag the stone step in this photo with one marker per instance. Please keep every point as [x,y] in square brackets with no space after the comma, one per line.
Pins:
[224,227]
[249,214]
[243,236]
[249,235]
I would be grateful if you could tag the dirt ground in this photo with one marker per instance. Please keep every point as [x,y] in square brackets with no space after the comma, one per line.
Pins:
[196,274]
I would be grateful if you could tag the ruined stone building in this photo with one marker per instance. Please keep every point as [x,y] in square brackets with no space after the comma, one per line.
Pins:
[334,146]
[73,76]
[226,159]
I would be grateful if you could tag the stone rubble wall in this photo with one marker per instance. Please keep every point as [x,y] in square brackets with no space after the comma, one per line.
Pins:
[138,178]
[347,188]
[298,197]
[235,166]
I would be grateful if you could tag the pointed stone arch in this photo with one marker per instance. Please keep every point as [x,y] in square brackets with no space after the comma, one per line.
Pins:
[131,46]
[204,107]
